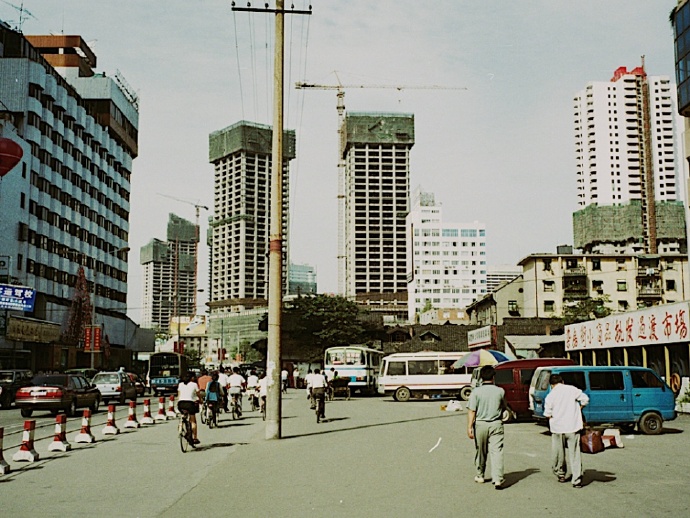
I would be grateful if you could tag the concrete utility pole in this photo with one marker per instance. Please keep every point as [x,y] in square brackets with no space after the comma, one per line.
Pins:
[275,258]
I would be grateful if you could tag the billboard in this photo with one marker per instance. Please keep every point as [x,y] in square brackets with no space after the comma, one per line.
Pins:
[21,298]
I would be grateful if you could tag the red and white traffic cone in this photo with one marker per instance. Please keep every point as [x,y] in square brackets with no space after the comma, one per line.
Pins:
[85,434]
[60,440]
[110,428]
[171,407]
[132,417]
[147,419]
[4,467]
[160,416]
[26,452]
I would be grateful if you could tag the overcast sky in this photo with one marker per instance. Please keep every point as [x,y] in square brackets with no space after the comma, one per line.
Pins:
[500,152]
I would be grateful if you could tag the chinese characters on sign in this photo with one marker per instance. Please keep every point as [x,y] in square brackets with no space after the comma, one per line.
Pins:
[650,326]
[17,297]
[92,334]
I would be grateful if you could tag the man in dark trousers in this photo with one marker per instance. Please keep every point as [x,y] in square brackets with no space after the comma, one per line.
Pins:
[484,425]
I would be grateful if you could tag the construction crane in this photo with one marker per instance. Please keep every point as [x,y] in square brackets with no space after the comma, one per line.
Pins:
[340,106]
[197,207]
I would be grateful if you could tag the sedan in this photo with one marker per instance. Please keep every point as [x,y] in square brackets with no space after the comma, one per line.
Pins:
[56,392]
[115,385]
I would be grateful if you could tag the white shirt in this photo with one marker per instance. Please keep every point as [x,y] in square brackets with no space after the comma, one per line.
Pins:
[563,405]
[308,378]
[295,373]
[252,381]
[235,380]
[263,386]
[329,375]
[318,381]
[283,374]
[188,392]
[223,379]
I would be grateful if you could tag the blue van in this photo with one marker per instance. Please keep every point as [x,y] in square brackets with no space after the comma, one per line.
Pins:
[626,396]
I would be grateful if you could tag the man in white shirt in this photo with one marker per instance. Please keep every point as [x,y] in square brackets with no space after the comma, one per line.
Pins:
[223,380]
[307,382]
[263,389]
[236,383]
[252,385]
[318,391]
[563,406]
[295,377]
[284,379]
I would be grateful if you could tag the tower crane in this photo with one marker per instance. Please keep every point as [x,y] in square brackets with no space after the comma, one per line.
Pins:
[198,207]
[340,106]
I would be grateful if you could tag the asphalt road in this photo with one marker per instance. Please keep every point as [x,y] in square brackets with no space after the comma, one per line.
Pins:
[373,457]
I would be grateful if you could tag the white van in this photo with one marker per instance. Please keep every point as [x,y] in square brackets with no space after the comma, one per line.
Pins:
[406,375]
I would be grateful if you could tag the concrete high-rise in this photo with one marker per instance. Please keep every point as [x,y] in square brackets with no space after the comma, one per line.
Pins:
[446,262]
[375,191]
[629,176]
[169,275]
[66,204]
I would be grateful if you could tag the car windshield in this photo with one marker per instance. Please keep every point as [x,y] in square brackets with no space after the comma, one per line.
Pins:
[106,378]
[5,376]
[55,380]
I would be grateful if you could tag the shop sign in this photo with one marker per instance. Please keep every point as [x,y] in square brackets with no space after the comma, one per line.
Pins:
[24,329]
[650,326]
[20,298]
[482,337]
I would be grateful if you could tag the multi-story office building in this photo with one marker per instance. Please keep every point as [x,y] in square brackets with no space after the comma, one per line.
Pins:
[239,231]
[499,274]
[551,281]
[629,176]
[66,204]
[446,261]
[372,262]
[301,279]
[170,283]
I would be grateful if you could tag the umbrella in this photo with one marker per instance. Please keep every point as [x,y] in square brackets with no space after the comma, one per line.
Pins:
[481,357]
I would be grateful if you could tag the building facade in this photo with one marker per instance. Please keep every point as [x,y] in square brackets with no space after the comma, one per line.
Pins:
[66,204]
[169,267]
[499,274]
[552,281]
[301,279]
[373,265]
[629,168]
[446,261]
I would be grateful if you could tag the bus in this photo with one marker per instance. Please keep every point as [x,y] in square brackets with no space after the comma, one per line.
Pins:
[357,362]
[424,374]
[165,372]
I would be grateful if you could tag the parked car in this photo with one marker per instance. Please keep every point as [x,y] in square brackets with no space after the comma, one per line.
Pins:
[56,392]
[627,396]
[514,377]
[115,385]
[139,383]
[12,380]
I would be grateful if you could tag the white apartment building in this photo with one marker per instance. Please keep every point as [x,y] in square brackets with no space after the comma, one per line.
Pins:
[170,281]
[447,261]
[373,264]
[629,168]
[66,204]
[499,274]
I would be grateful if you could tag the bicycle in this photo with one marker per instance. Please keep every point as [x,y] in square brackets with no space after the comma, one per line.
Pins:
[184,430]
[236,404]
[254,400]
[212,416]
[263,407]
[202,413]
[320,399]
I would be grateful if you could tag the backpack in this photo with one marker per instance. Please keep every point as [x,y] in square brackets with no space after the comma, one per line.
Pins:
[212,391]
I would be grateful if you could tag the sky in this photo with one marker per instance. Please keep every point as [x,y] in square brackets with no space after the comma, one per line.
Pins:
[500,152]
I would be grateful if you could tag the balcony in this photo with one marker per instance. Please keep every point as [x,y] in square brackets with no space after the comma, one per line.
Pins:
[647,272]
[648,293]
[576,271]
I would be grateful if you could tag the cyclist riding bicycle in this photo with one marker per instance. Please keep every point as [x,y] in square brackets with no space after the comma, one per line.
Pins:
[236,384]
[188,401]
[223,380]
[318,391]
[203,380]
[263,391]
[252,386]
[214,393]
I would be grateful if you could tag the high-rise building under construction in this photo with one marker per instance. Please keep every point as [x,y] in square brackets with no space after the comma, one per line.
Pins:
[375,196]
[629,174]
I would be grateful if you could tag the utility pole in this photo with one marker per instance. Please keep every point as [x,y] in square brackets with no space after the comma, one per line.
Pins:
[275,247]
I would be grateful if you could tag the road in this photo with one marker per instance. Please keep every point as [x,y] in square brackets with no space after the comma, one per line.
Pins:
[374,457]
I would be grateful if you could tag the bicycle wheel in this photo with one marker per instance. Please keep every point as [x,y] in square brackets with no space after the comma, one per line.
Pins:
[263,412]
[203,411]
[183,434]
[211,418]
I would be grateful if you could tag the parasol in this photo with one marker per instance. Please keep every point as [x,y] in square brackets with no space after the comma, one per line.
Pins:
[481,357]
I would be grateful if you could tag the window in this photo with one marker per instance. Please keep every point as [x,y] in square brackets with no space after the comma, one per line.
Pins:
[512,306]
[606,380]
[575,378]
[596,264]
[549,285]
[526,376]
[622,305]
[422,367]
[645,379]
[621,285]
[547,265]
[598,286]
[549,306]
[396,369]
[504,377]
[670,285]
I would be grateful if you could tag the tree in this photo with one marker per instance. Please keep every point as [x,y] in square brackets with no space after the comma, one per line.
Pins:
[80,312]
[586,309]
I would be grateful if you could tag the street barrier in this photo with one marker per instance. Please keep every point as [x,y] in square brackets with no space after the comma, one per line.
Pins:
[110,428]
[60,440]
[26,452]
[160,416]
[132,417]
[85,434]
[4,467]
[147,418]
[171,408]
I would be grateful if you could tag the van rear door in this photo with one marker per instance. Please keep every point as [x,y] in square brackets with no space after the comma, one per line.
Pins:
[609,396]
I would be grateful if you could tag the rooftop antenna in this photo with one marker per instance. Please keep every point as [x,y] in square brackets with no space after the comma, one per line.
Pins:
[23,13]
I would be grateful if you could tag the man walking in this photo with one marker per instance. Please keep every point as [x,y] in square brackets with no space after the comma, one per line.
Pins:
[563,406]
[484,425]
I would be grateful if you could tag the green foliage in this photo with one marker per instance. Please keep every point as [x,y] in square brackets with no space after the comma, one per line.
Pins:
[586,309]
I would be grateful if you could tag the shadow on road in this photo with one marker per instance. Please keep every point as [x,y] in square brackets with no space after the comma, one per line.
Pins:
[323,431]
[204,447]
[514,477]
[593,475]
